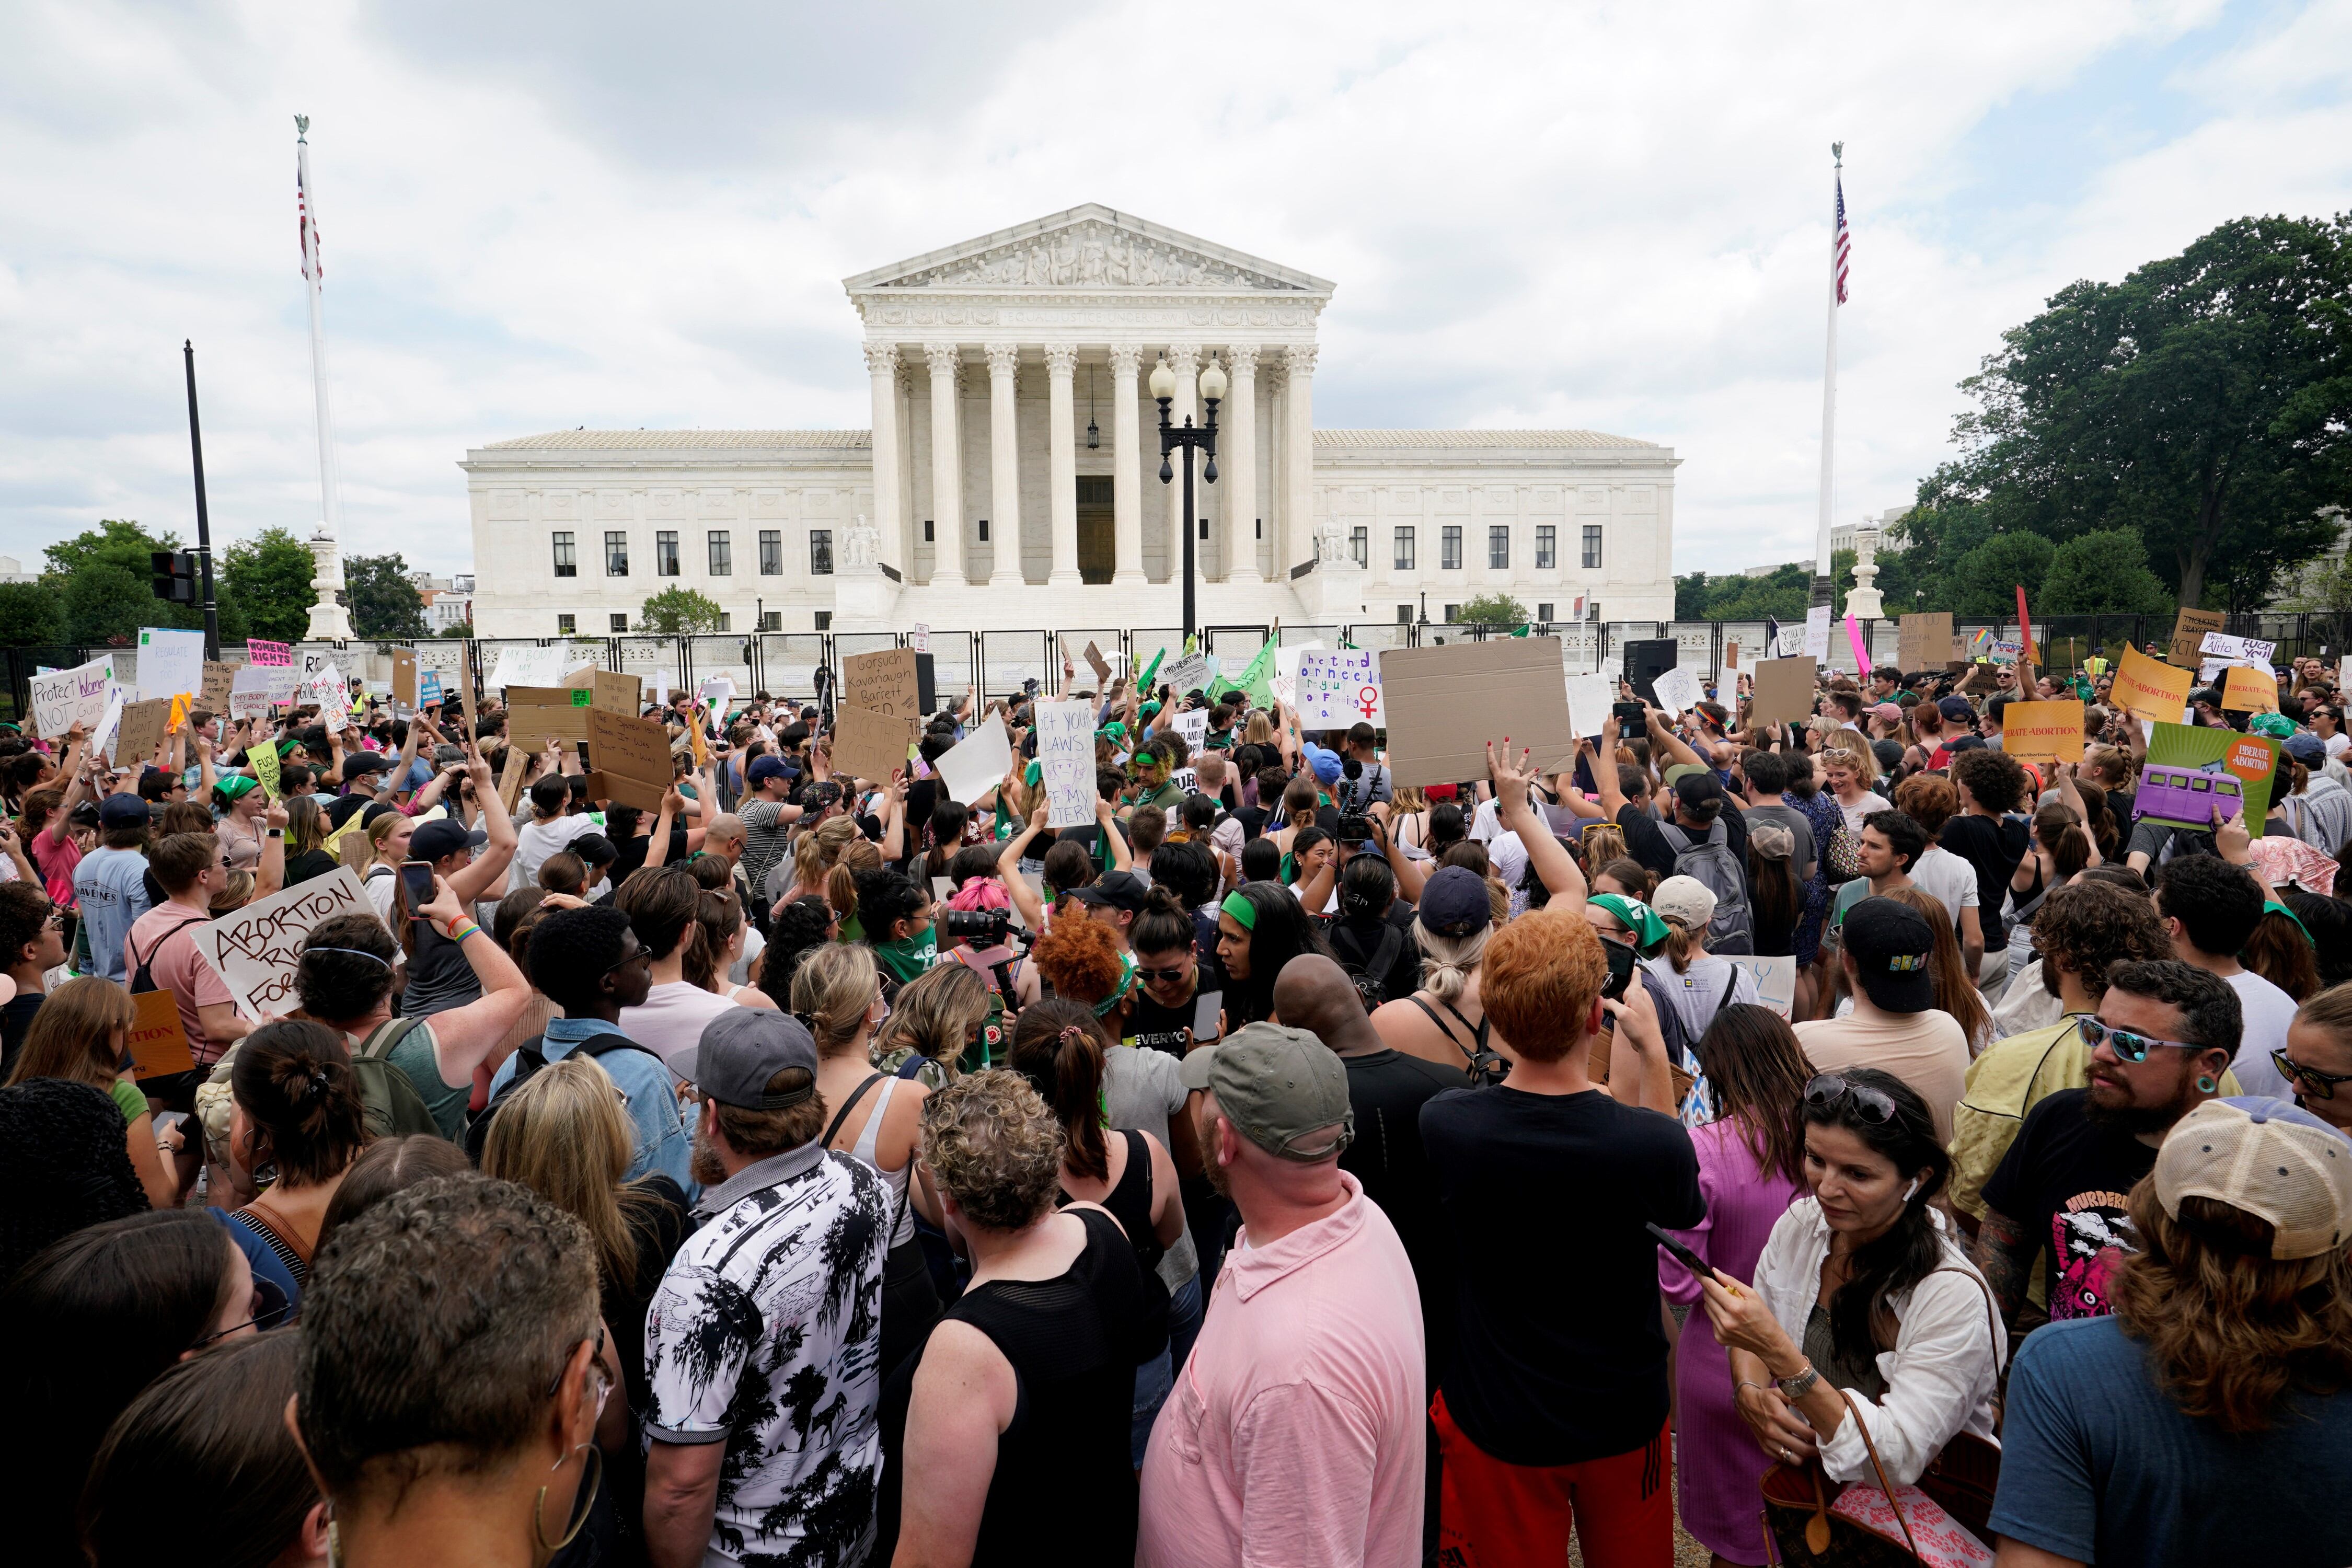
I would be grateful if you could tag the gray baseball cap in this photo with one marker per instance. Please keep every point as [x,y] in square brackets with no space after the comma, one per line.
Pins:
[741,1050]
[1278,1087]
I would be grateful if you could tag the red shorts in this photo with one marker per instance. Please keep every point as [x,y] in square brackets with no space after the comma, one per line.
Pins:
[1498,1515]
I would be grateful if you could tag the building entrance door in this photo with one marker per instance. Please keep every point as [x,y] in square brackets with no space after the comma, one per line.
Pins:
[1098,529]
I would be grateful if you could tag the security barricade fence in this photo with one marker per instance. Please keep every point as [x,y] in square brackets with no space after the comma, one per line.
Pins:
[1000,663]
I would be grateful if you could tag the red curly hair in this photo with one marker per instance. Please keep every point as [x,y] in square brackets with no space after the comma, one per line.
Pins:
[1080,960]
[1540,976]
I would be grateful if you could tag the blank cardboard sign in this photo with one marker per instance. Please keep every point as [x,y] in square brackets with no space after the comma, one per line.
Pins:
[631,757]
[1784,689]
[1445,703]
[1926,640]
[869,745]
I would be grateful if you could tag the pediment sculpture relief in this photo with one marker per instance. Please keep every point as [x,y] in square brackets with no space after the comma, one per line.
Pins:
[1089,256]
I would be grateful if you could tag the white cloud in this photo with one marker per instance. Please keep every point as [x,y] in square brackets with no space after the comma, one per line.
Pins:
[605,215]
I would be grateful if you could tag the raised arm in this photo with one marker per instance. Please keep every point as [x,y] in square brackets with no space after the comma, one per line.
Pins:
[487,871]
[465,1037]
[1555,867]
[1663,738]
[657,847]
[1107,825]
[1604,769]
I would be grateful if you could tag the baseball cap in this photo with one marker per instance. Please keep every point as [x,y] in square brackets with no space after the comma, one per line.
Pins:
[1324,763]
[2309,750]
[441,836]
[1454,904]
[1279,1087]
[1685,900]
[1890,712]
[1892,944]
[360,763]
[1698,787]
[123,811]
[1114,890]
[741,1050]
[2274,1159]
[1954,708]
[765,768]
[1681,771]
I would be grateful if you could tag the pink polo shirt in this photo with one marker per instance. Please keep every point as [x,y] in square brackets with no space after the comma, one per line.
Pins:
[1293,1438]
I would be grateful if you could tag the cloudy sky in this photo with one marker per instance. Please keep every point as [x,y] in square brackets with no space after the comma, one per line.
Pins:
[600,213]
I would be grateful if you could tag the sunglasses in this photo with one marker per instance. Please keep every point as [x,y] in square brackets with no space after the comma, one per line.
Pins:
[1160,976]
[642,951]
[1874,1106]
[2126,1045]
[2320,1085]
[269,1309]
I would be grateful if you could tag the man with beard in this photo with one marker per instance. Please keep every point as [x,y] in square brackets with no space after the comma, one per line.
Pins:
[2164,1035]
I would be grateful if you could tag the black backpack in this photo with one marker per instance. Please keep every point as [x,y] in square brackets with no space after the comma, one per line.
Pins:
[528,1059]
[1372,976]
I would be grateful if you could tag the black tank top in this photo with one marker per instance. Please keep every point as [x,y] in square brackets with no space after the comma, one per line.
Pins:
[1130,1202]
[1063,1490]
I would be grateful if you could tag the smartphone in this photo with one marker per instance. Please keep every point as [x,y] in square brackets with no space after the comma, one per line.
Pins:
[416,884]
[1679,1252]
[1629,714]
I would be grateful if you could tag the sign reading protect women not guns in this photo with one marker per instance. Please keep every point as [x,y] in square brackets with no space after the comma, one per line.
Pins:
[63,697]
[1338,686]
[255,949]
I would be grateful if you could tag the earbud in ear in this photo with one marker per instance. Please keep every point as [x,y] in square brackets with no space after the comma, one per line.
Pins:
[1912,1191]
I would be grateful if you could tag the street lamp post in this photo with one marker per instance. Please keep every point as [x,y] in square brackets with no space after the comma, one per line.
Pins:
[1172,436]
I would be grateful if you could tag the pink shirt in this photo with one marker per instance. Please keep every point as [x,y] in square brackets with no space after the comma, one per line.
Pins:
[166,936]
[1293,1438]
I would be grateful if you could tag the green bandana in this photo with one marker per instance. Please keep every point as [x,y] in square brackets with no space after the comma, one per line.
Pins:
[1242,911]
[909,957]
[1640,918]
[1126,984]
[235,787]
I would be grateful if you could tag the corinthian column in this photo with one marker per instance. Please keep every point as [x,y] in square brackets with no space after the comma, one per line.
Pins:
[1184,359]
[946,470]
[1003,468]
[1238,436]
[1126,475]
[882,372]
[1298,462]
[1062,462]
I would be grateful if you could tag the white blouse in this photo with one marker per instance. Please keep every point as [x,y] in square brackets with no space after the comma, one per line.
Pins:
[1942,1375]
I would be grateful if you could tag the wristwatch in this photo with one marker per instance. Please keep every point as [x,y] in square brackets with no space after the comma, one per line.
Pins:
[1797,1387]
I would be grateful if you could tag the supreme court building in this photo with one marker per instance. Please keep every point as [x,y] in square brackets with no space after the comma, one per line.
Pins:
[1010,476]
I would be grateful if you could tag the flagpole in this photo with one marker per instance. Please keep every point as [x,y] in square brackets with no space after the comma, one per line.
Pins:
[329,618]
[1821,587]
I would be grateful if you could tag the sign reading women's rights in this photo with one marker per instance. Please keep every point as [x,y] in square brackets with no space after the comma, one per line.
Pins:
[1065,761]
[64,697]
[1338,686]
[255,949]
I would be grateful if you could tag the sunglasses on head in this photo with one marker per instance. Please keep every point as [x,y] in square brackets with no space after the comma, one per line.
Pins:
[2126,1045]
[1872,1105]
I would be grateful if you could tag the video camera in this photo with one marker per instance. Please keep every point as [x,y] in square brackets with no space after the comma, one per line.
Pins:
[984,927]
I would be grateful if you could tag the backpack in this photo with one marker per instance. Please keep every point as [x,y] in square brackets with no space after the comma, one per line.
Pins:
[1710,862]
[528,1059]
[1371,977]
[394,1108]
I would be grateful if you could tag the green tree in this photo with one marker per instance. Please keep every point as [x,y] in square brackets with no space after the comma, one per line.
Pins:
[2101,573]
[115,542]
[2205,401]
[462,629]
[384,602]
[29,614]
[1984,581]
[270,576]
[1492,610]
[676,611]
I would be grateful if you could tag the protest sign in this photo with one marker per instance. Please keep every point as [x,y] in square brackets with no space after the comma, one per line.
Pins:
[262,757]
[885,683]
[1191,727]
[1731,659]
[2228,646]
[255,950]
[1861,653]
[64,697]
[1065,761]
[2189,631]
[1776,981]
[1099,664]
[1925,641]
[718,691]
[269,655]
[533,667]
[313,661]
[510,777]
[2246,690]
[146,727]
[920,638]
[220,679]
[404,678]
[1784,690]
[631,757]
[1677,689]
[249,694]
[870,745]
[1189,674]
[1817,633]
[1337,687]
[538,714]
[609,691]
[2043,732]
[429,690]
[978,763]
[171,663]
[101,739]
[1445,703]
[158,1040]
[2149,688]
[2191,770]
[1589,700]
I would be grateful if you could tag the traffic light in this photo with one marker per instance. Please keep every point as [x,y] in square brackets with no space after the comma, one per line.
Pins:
[175,576]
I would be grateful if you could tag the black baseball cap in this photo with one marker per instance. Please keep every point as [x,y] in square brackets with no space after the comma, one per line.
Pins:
[1892,945]
[441,837]
[1114,890]
[1455,902]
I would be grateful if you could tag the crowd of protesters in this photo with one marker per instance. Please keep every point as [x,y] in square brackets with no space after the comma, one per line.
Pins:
[1290,1164]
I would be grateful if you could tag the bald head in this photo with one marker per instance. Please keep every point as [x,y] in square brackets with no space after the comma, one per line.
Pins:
[724,836]
[1314,993]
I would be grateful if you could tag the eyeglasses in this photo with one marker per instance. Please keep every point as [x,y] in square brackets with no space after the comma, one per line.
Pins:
[2321,1085]
[1872,1105]
[269,1308]
[604,1379]
[2126,1045]
[642,951]
[1160,976]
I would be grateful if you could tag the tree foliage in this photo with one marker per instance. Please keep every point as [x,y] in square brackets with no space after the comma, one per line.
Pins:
[384,602]
[1784,594]
[2101,573]
[1492,610]
[676,611]
[270,576]
[30,616]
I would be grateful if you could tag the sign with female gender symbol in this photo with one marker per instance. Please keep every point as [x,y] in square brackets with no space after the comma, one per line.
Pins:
[1338,686]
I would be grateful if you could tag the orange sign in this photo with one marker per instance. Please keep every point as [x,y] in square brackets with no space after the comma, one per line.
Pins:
[2149,688]
[2247,690]
[2043,732]
[158,1041]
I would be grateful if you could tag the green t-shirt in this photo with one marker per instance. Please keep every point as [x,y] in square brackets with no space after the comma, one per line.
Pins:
[130,1098]
[1848,895]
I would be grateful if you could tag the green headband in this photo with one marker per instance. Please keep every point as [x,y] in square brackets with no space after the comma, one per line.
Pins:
[2273,905]
[1126,984]
[1242,910]
[235,787]
[1640,918]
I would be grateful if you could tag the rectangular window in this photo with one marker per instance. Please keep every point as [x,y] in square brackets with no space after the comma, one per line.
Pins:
[983,530]
[771,553]
[926,532]
[567,565]
[825,620]
[566,625]
[1204,530]
[772,621]
[1261,529]
[1449,548]
[617,555]
[1591,546]
[1546,547]
[1359,545]
[820,552]
[1499,547]
[725,622]
[1404,550]
[621,622]
[664,553]
[1543,614]
[1404,615]
[1450,610]
[722,555]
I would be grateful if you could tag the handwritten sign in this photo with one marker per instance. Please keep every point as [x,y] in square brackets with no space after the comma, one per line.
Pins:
[1925,641]
[1677,689]
[2043,732]
[884,683]
[2188,633]
[271,655]
[1338,686]
[1065,761]
[1193,728]
[255,949]
[1817,633]
[64,697]
[262,757]
[171,663]
[144,729]
[2149,688]
[2228,646]
[1776,981]
[632,758]
[1189,674]
[869,745]
[404,678]
[1589,700]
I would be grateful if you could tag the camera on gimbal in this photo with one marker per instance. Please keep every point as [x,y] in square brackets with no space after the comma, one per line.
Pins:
[982,928]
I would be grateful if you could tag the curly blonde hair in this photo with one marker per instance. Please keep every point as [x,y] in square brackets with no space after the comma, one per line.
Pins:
[991,1143]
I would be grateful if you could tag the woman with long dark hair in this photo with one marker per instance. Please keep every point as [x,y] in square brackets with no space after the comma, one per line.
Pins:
[1955,993]
[1863,1310]
[296,1123]
[1750,1168]
[1776,899]
[1260,927]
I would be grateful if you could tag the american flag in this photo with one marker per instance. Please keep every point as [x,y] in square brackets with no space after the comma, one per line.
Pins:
[1841,251]
[312,267]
